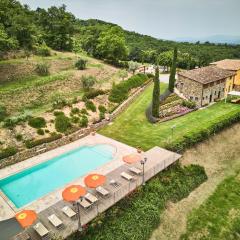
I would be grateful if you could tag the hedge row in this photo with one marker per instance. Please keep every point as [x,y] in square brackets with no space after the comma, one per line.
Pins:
[34,143]
[190,139]
[119,92]
[136,216]
[92,94]
[7,152]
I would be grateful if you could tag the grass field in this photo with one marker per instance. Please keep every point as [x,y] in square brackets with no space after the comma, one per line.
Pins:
[132,127]
[219,216]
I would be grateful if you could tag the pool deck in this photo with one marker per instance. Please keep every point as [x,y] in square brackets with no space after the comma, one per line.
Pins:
[8,209]
[158,159]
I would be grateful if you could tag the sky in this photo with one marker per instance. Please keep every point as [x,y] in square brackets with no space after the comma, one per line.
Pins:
[165,19]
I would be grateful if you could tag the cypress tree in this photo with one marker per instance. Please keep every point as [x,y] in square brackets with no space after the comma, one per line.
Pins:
[173,71]
[156,95]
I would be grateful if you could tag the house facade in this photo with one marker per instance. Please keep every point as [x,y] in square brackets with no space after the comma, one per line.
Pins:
[231,65]
[205,85]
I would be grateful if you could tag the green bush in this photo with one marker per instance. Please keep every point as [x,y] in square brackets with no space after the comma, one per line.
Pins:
[75,110]
[42,69]
[92,93]
[57,113]
[19,137]
[102,109]
[75,119]
[42,50]
[119,92]
[81,64]
[137,215]
[38,122]
[84,121]
[34,143]
[3,113]
[13,121]
[101,116]
[90,106]
[189,104]
[84,111]
[7,152]
[88,82]
[40,131]
[62,123]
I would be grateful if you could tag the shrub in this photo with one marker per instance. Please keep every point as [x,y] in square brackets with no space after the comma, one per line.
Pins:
[57,113]
[189,104]
[34,143]
[75,110]
[42,50]
[7,152]
[88,82]
[101,116]
[84,121]
[13,121]
[42,69]
[19,137]
[81,64]
[119,92]
[92,93]
[40,131]
[75,119]
[3,113]
[84,111]
[37,122]
[62,123]
[102,109]
[90,106]
[59,101]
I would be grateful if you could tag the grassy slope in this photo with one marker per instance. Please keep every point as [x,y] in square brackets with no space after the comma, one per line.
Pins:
[219,216]
[132,127]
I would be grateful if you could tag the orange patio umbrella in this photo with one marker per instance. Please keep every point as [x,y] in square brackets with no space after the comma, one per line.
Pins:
[132,158]
[73,193]
[26,218]
[94,180]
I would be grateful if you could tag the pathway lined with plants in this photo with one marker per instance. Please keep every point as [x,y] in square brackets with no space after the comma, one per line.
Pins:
[220,156]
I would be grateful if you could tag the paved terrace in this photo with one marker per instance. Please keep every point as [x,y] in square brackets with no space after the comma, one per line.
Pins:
[158,159]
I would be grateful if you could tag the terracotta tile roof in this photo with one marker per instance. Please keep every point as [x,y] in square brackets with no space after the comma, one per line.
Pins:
[228,64]
[207,74]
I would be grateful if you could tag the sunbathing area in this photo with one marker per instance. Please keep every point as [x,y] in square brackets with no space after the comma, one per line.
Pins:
[125,170]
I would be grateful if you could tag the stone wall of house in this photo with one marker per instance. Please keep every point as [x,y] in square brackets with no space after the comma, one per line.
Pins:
[25,154]
[213,91]
[192,90]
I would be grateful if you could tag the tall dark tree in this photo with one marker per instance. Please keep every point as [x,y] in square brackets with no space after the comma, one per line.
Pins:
[156,94]
[173,71]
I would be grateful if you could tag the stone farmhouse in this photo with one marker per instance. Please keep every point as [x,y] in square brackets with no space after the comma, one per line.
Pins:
[232,65]
[205,85]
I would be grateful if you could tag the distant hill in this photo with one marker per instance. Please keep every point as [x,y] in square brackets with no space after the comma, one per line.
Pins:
[212,39]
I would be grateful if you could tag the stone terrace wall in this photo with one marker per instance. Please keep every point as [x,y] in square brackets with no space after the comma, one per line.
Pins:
[22,155]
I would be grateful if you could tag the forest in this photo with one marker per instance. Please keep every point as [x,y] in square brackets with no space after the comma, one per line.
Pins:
[36,31]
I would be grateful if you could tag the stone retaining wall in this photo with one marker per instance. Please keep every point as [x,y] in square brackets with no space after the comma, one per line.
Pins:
[22,155]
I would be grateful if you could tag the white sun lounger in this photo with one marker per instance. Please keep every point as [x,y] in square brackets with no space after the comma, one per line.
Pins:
[85,204]
[135,170]
[41,230]
[91,198]
[127,176]
[55,221]
[68,212]
[114,183]
[101,190]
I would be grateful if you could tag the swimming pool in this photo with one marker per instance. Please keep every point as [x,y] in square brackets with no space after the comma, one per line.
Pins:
[24,187]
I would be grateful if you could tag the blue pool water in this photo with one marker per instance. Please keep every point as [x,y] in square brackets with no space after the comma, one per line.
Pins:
[37,181]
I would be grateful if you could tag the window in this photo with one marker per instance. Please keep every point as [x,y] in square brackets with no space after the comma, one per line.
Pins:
[203,98]
[191,98]
[215,93]
[196,98]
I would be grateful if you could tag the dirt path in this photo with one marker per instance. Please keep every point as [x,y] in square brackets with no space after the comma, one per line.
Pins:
[220,157]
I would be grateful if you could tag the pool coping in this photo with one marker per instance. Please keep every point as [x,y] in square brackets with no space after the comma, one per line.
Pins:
[52,198]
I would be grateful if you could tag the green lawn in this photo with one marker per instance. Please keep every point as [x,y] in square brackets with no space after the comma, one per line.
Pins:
[219,216]
[132,127]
